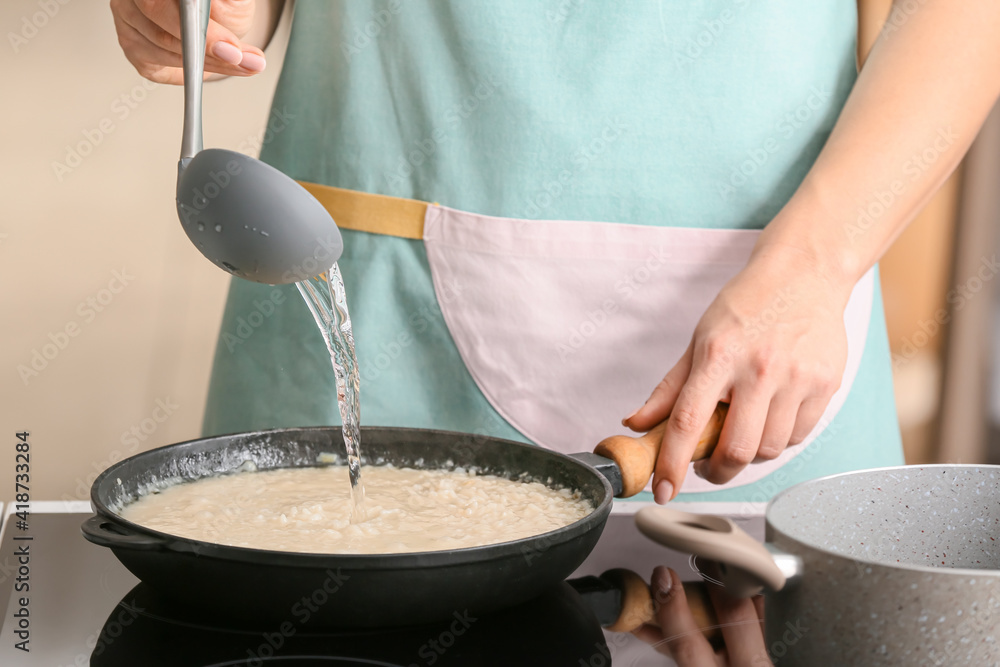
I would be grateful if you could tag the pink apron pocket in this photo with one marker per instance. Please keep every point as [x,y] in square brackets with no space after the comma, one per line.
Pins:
[567,326]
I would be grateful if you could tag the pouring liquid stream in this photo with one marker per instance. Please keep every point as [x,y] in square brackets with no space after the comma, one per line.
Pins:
[327,301]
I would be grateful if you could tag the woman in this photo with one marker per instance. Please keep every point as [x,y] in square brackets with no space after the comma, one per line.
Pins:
[602,172]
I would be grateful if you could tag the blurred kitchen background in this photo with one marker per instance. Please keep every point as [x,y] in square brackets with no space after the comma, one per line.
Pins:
[89,158]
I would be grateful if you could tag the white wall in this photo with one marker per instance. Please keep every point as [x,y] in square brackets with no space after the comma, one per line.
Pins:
[64,235]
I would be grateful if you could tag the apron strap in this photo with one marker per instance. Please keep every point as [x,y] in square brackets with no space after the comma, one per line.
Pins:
[366,212]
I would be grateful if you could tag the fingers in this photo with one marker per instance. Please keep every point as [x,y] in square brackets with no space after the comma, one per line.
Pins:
[758,605]
[149,34]
[691,412]
[129,13]
[682,637]
[742,628]
[148,59]
[740,437]
[808,416]
[661,401]
[777,433]
[222,46]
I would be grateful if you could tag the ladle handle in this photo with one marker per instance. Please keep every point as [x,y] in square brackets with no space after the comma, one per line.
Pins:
[194,24]
[636,456]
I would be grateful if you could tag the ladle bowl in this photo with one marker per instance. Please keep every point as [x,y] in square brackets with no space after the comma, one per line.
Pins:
[245,216]
[252,220]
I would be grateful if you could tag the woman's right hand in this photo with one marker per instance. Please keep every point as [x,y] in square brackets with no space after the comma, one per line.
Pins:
[674,631]
[149,32]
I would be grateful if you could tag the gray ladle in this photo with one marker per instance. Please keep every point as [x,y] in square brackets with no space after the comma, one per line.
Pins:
[247,217]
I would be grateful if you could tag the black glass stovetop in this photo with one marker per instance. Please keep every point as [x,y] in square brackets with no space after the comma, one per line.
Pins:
[84,608]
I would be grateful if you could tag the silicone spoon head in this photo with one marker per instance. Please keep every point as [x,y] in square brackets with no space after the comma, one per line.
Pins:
[245,216]
[253,221]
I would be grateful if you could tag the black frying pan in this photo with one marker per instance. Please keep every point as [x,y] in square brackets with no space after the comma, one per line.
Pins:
[354,590]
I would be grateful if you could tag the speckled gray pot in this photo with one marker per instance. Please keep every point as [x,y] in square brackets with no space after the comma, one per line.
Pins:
[900,566]
[893,566]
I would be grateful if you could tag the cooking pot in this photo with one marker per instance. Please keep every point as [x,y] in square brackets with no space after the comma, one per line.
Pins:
[892,566]
[375,589]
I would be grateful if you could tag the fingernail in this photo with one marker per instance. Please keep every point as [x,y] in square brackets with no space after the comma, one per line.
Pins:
[664,490]
[663,581]
[253,62]
[700,471]
[227,53]
[634,413]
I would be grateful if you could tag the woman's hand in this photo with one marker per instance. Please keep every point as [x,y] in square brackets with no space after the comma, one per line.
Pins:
[773,345]
[149,32]
[676,633]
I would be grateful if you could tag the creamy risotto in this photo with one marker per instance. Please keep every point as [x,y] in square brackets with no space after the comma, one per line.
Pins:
[308,510]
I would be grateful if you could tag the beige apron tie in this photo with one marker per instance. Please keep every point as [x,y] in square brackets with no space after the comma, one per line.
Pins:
[366,212]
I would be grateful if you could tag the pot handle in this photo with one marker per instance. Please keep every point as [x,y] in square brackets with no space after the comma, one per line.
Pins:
[105,533]
[747,566]
[636,456]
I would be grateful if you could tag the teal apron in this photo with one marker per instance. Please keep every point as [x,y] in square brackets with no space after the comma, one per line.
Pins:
[669,114]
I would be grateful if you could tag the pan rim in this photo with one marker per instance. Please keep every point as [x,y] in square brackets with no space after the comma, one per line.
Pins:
[422,560]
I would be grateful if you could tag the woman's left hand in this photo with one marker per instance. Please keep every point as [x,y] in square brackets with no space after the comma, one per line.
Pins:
[773,345]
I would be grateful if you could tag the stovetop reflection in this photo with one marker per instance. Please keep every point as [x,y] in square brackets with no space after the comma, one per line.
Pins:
[146,629]
[564,626]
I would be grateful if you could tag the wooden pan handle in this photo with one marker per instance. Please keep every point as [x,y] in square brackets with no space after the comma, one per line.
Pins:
[636,456]
[638,607]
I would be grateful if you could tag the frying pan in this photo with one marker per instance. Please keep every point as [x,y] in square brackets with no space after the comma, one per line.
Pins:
[366,590]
